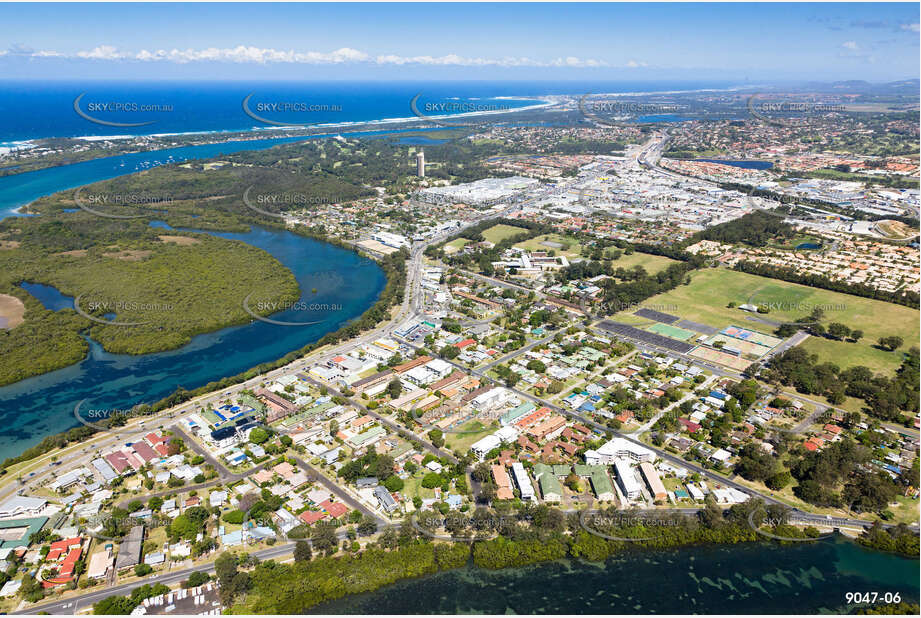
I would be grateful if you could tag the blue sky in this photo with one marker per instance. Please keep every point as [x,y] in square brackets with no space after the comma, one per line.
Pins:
[875,42]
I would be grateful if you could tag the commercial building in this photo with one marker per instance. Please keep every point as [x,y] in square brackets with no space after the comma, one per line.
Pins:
[619,448]
[18,506]
[391,240]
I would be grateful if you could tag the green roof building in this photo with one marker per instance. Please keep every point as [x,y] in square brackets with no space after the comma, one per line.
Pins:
[514,414]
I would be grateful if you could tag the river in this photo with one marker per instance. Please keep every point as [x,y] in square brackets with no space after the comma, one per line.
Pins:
[42,405]
[749,578]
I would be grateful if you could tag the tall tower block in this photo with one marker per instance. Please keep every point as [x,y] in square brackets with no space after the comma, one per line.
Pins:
[420,164]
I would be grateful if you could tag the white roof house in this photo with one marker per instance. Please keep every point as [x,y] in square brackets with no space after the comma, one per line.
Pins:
[507,434]
[626,478]
[484,445]
[522,480]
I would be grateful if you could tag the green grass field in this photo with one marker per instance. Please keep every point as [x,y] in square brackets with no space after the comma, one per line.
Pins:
[671,331]
[498,233]
[570,246]
[652,263]
[706,298]
[456,245]
[460,442]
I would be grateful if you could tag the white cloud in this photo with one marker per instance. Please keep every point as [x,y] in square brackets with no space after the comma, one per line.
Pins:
[911,27]
[103,52]
[852,45]
[633,64]
[258,55]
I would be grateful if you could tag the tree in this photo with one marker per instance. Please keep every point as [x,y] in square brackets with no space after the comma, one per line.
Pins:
[367,527]
[437,437]
[302,551]
[870,491]
[196,579]
[779,480]
[856,335]
[481,472]
[324,538]
[537,366]
[393,483]
[449,352]
[113,606]
[755,464]
[184,527]
[432,480]
[258,435]
[394,388]
[143,569]
[837,330]
[891,343]
[225,568]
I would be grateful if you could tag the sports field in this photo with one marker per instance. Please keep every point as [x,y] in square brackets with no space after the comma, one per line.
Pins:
[500,232]
[671,331]
[710,291]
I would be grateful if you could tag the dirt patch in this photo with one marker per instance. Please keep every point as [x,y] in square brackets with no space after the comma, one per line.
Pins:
[9,244]
[180,240]
[377,247]
[895,229]
[130,255]
[11,311]
[74,253]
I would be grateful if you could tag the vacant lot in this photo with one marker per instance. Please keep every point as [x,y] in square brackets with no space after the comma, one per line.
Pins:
[706,298]
[456,245]
[498,233]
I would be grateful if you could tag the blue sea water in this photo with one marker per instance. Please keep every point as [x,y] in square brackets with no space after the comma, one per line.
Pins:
[30,110]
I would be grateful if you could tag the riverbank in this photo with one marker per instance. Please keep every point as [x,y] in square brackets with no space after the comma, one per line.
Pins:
[393,270]
[550,537]
[694,578]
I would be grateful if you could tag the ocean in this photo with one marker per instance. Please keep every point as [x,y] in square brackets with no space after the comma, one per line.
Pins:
[33,109]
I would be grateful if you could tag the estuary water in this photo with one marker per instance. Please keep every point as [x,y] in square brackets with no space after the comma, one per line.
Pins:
[42,405]
[750,578]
